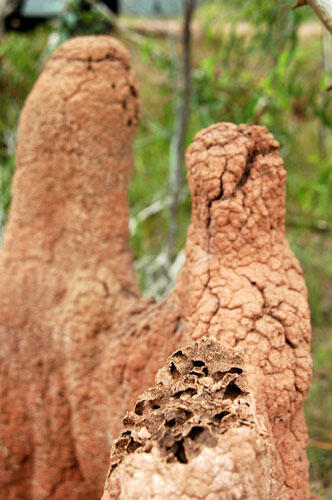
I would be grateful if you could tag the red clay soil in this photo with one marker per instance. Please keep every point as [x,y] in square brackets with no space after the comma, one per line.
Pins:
[78,341]
[195,434]
[242,284]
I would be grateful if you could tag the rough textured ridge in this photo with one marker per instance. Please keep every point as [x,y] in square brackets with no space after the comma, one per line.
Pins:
[242,284]
[195,434]
[78,343]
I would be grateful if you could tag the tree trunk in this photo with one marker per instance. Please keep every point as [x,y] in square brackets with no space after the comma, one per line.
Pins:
[181,124]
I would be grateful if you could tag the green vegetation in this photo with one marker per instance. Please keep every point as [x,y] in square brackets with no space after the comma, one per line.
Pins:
[21,58]
[267,72]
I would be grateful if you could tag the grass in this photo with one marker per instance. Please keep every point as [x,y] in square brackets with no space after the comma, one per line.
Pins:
[319,413]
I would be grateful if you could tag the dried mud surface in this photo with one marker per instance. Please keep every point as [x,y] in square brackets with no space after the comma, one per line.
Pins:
[242,284]
[78,343]
[195,434]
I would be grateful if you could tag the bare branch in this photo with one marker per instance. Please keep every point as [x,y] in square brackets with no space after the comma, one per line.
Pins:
[323,9]
[176,170]
[300,3]
[320,444]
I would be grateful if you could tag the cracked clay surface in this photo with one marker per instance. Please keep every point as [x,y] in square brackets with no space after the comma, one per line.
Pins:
[242,284]
[78,342]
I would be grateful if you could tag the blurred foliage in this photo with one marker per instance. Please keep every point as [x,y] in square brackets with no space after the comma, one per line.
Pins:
[20,65]
[81,18]
[251,65]
[319,413]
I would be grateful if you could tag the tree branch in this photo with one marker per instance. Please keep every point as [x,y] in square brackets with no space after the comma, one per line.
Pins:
[323,9]
[300,3]
[176,166]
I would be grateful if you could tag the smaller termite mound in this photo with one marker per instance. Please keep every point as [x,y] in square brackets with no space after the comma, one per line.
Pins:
[195,433]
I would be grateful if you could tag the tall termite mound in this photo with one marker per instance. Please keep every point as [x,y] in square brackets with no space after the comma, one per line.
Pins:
[242,284]
[78,343]
[67,282]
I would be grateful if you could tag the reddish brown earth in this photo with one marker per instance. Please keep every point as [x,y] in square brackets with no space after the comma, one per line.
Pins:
[78,343]
[242,284]
[195,434]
